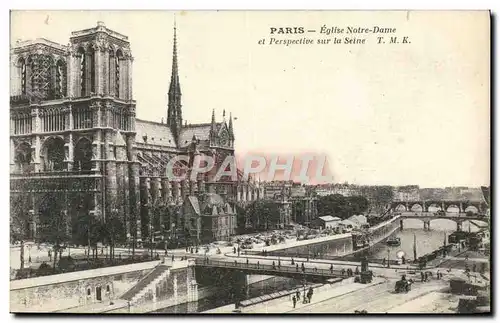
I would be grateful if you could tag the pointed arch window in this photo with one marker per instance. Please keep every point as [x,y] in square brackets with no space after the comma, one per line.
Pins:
[111,72]
[41,80]
[83,70]
[118,59]
[92,71]
[22,74]
[60,79]
[83,155]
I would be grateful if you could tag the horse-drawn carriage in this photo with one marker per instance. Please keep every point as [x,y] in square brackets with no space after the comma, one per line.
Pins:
[403,285]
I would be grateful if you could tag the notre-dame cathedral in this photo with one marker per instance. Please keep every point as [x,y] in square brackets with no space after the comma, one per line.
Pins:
[79,152]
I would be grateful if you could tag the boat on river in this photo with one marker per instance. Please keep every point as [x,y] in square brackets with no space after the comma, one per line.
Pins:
[393,241]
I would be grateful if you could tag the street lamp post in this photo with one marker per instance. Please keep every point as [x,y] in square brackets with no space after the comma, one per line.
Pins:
[304,292]
[388,258]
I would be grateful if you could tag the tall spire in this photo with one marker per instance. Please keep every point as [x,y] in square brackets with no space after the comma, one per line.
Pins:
[174,79]
[213,127]
[213,119]
[231,131]
[174,114]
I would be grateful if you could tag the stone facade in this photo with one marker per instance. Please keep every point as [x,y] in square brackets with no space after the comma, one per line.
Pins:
[209,218]
[73,290]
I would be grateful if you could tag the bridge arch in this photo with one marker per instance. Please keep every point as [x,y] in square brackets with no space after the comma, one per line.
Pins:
[400,207]
[434,207]
[471,208]
[416,207]
[452,208]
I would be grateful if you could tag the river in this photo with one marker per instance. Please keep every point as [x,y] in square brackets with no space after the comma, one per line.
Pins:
[427,241]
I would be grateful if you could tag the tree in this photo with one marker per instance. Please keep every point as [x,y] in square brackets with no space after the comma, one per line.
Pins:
[263,214]
[240,218]
[381,196]
[114,231]
[358,204]
[341,206]
[56,233]
[334,205]
[18,223]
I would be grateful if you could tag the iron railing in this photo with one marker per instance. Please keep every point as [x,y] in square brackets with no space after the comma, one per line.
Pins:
[310,271]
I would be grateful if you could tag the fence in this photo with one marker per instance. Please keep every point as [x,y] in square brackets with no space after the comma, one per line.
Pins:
[272,268]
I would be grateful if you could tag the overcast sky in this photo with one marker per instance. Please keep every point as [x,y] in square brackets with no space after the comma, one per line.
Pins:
[384,114]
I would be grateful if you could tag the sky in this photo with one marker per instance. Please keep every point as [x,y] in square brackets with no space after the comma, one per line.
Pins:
[396,114]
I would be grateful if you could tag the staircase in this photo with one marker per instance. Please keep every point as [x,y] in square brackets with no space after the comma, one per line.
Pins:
[150,280]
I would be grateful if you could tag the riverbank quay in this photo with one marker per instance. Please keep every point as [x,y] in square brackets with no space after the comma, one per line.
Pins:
[284,303]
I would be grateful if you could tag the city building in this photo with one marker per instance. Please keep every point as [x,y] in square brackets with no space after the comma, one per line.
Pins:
[77,150]
[208,217]
[332,189]
[304,204]
[406,193]
[328,221]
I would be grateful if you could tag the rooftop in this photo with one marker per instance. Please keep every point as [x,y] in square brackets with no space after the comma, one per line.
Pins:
[101,27]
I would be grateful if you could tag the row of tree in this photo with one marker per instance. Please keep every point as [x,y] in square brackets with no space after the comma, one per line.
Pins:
[342,206]
[265,214]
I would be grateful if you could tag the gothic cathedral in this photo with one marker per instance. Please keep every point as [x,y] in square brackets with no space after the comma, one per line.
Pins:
[78,153]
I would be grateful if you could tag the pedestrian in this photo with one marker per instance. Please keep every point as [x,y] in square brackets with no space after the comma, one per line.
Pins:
[238,251]
[187,249]
[303,268]
[293,262]
[356,271]
[422,276]
[331,268]
[274,265]
[29,259]
[172,257]
[294,301]
[310,293]
[343,271]
[297,293]
[258,265]
[279,263]
[247,261]
[383,262]
[297,267]
[234,249]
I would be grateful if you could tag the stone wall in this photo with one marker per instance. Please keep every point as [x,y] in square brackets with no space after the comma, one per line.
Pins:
[77,289]
[177,288]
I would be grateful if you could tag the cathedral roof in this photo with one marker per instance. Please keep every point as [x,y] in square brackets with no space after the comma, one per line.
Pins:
[201,131]
[156,133]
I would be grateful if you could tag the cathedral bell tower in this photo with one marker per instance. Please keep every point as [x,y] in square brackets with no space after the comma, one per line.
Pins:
[174,113]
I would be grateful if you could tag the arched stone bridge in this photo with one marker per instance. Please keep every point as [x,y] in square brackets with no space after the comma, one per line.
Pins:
[424,206]
[427,217]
